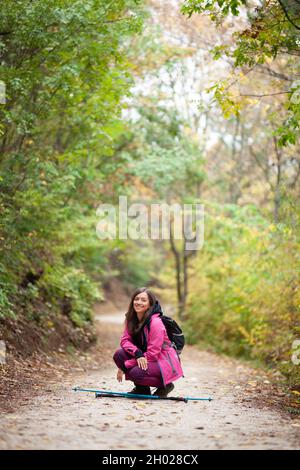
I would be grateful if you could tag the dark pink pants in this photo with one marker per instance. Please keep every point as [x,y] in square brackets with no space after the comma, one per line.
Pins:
[151,376]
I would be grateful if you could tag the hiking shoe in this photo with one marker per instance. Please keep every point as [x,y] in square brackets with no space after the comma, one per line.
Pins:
[164,391]
[141,390]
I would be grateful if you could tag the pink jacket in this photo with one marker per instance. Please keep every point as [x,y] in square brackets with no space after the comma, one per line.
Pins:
[158,349]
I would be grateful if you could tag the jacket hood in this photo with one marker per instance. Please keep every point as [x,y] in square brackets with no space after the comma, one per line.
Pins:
[156,309]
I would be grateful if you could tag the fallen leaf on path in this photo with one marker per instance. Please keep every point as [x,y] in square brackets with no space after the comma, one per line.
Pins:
[129,418]
[253,384]
[140,406]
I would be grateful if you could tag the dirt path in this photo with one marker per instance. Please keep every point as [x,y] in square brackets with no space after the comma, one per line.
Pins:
[59,418]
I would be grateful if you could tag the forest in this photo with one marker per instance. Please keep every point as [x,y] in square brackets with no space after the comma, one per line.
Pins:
[194,101]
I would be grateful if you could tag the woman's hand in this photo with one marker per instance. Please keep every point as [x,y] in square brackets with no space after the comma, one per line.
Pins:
[142,363]
[120,375]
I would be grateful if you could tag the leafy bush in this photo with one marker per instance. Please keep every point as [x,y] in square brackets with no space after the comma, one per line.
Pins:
[59,123]
[72,287]
[245,298]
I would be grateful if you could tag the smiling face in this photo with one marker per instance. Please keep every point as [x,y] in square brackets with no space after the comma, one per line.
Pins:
[141,304]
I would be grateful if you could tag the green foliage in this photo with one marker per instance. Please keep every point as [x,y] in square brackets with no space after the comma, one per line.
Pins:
[66,70]
[215,7]
[165,158]
[245,297]
[74,288]
[139,263]
[289,130]
[224,98]
[268,34]
[5,304]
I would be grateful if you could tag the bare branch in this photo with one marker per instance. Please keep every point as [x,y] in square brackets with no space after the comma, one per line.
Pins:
[265,69]
[267,94]
[262,167]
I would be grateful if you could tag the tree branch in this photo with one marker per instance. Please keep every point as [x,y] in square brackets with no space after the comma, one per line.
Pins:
[262,167]
[267,94]
[287,15]
[273,73]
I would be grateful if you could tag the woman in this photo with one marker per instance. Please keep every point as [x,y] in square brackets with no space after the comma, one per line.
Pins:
[147,356]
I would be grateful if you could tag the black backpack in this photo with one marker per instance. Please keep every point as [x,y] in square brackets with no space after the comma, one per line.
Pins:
[174,332]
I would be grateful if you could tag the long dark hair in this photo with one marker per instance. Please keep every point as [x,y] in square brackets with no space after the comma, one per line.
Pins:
[131,317]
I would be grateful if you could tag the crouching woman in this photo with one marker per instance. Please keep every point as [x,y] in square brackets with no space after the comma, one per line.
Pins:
[147,356]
